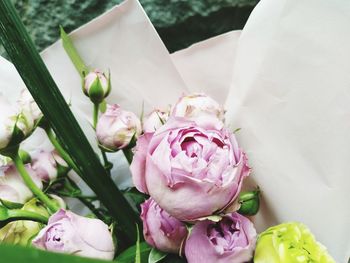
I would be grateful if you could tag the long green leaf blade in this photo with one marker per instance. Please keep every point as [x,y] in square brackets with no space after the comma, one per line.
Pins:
[44,90]
[73,53]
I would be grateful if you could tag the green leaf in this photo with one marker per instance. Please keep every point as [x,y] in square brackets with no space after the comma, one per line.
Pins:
[44,90]
[73,53]
[128,256]
[156,256]
[18,254]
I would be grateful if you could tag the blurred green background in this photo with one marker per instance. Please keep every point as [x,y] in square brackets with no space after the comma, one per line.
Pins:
[179,22]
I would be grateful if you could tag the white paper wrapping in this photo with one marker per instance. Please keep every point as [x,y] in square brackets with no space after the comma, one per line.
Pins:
[287,86]
[291,96]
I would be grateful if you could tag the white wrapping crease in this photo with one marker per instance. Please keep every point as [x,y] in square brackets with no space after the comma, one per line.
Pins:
[286,85]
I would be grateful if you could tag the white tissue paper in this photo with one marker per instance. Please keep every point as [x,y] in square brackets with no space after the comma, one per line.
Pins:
[284,81]
[291,96]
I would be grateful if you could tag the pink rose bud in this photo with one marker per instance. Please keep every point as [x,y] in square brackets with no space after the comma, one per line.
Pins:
[46,165]
[12,186]
[196,106]
[69,233]
[28,105]
[160,229]
[96,86]
[191,171]
[116,127]
[154,120]
[232,240]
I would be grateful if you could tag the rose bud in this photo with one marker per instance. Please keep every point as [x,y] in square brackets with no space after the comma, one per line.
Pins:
[69,233]
[249,203]
[96,86]
[12,186]
[160,229]
[290,243]
[232,240]
[47,165]
[116,127]
[21,232]
[198,106]
[191,171]
[28,105]
[154,120]
[15,125]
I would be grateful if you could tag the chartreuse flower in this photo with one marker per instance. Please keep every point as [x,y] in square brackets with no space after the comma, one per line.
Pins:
[22,232]
[290,243]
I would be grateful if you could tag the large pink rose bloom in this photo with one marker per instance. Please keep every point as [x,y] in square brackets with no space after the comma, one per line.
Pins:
[191,171]
[232,240]
[69,233]
[160,229]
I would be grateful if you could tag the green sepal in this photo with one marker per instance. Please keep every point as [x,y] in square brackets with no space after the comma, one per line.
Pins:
[249,203]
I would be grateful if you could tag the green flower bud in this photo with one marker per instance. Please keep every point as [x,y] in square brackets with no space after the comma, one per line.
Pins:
[290,243]
[97,86]
[23,231]
[249,203]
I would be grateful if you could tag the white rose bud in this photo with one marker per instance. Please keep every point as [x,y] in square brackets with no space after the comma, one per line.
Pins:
[96,86]
[15,125]
[28,105]
[46,165]
[196,106]
[116,127]
[12,186]
[154,120]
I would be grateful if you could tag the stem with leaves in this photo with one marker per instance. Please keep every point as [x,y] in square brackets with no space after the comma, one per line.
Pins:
[44,90]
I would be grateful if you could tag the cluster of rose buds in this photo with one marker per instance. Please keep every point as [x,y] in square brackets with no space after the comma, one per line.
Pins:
[193,168]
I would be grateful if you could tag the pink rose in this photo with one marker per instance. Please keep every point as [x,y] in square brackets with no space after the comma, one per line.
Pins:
[46,164]
[232,240]
[191,171]
[154,120]
[198,105]
[69,233]
[116,127]
[160,229]
[12,186]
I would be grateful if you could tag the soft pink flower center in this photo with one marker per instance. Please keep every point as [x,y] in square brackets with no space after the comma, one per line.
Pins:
[54,238]
[226,235]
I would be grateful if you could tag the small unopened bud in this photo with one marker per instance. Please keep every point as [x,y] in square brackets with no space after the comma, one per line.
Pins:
[96,86]
[23,231]
[48,165]
[154,120]
[250,203]
[116,128]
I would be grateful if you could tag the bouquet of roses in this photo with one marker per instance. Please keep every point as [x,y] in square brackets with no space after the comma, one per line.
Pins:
[187,168]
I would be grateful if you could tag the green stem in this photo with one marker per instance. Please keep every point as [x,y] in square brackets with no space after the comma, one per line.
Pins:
[108,165]
[60,150]
[18,214]
[96,109]
[31,185]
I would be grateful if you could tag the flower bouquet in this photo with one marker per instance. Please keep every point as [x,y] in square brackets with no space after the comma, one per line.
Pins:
[138,156]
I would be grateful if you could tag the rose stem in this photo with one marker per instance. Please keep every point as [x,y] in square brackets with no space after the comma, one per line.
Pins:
[107,166]
[31,185]
[18,214]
